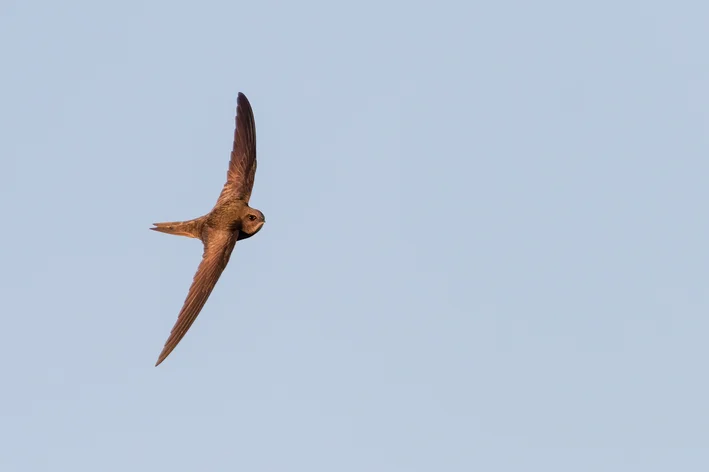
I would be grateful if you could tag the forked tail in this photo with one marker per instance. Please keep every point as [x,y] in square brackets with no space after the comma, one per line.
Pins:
[191,228]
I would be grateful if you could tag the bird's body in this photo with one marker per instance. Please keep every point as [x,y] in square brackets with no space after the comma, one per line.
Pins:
[231,220]
[230,216]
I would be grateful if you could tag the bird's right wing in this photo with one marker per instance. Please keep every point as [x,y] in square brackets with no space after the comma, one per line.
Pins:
[217,250]
[242,165]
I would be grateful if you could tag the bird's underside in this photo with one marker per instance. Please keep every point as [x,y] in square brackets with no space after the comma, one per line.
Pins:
[230,220]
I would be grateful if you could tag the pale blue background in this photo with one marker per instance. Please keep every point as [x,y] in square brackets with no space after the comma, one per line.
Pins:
[485,249]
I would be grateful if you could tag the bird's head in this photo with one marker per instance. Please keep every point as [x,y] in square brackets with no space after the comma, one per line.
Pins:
[252,222]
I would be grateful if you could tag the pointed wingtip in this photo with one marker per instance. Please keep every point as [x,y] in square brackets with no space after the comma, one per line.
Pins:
[160,359]
[163,355]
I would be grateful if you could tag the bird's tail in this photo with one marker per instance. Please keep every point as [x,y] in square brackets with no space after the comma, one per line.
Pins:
[191,228]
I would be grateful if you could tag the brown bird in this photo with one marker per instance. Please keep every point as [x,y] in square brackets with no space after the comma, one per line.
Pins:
[231,220]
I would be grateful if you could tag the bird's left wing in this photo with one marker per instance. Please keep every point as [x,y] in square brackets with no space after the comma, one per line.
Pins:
[218,247]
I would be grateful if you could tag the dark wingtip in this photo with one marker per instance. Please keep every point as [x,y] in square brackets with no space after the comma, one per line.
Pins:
[242,100]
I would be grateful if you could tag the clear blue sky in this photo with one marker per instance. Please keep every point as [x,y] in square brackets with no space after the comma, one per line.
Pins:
[485,248]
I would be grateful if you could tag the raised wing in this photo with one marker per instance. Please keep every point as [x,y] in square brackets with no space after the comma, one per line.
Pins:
[217,250]
[242,165]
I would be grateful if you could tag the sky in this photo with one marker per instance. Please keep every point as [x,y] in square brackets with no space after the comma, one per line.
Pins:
[485,243]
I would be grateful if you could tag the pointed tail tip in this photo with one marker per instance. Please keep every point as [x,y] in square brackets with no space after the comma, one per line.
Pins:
[190,229]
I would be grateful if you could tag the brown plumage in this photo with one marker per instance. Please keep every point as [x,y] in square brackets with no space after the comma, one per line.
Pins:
[230,220]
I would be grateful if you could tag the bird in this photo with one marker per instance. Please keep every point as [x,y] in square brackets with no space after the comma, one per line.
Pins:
[231,220]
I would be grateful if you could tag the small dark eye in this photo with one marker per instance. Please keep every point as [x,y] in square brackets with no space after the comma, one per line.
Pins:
[252,217]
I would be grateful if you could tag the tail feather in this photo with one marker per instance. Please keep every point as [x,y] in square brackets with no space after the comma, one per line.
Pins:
[191,228]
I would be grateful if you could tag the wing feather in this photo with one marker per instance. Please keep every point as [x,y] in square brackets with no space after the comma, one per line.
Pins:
[217,250]
[242,165]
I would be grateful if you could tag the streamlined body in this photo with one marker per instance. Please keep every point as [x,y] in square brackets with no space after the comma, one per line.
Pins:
[231,220]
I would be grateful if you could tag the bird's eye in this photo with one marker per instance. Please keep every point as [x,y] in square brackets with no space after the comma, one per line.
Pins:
[252,217]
